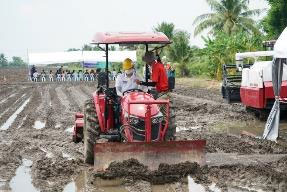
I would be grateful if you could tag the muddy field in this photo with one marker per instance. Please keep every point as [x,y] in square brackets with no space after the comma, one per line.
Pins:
[37,152]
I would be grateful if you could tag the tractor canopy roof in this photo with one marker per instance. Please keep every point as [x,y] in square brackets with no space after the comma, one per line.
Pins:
[131,38]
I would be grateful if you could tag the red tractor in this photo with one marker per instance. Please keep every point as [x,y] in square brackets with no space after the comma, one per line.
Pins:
[133,126]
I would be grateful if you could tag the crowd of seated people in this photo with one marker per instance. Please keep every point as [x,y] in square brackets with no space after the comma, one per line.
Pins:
[62,75]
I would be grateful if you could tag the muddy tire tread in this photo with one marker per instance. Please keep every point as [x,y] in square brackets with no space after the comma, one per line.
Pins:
[91,130]
[171,130]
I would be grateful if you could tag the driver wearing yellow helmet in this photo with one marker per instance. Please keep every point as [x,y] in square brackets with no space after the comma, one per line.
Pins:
[127,80]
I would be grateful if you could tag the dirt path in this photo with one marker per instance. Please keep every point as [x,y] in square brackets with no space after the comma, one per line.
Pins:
[57,161]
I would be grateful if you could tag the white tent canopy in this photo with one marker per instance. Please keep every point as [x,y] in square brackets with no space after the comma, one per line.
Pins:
[78,56]
[280,47]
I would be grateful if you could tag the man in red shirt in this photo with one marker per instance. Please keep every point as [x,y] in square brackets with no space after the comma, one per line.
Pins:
[158,77]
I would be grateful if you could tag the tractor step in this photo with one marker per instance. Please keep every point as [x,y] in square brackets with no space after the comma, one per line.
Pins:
[150,154]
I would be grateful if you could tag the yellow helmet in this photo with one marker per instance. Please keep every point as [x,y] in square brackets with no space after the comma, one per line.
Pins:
[127,64]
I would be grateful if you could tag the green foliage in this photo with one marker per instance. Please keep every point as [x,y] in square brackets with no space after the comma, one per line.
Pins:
[73,49]
[222,49]
[89,48]
[179,52]
[166,28]
[276,20]
[3,60]
[199,64]
[229,16]
[17,62]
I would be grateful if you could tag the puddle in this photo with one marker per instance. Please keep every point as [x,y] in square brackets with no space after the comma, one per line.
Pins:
[2,183]
[178,129]
[48,154]
[12,118]
[4,100]
[81,183]
[254,127]
[24,119]
[23,180]
[70,130]
[70,187]
[68,156]
[39,125]
[11,105]
[192,186]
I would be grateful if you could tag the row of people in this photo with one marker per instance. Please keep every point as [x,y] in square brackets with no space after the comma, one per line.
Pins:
[67,75]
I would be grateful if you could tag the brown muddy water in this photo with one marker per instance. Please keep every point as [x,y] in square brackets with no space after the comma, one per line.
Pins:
[81,184]
[253,127]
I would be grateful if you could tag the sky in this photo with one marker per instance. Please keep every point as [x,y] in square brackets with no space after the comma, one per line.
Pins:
[56,25]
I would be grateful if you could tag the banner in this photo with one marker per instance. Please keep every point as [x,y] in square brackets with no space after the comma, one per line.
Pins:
[100,64]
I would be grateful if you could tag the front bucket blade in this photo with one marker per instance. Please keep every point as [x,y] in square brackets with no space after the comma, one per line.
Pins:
[150,154]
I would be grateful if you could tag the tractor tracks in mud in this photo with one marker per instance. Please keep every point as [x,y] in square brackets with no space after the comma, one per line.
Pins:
[50,147]
[57,160]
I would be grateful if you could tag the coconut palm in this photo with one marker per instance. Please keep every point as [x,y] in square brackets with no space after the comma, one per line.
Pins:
[180,51]
[166,28]
[228,16]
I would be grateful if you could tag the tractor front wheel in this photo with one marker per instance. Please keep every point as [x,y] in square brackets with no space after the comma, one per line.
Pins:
[91,130]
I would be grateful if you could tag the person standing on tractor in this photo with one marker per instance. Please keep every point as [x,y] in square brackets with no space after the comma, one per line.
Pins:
[127,80]
[171,76]
[159,78]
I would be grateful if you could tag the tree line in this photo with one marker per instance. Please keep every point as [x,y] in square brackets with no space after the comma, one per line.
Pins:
[231,28]
[16,62]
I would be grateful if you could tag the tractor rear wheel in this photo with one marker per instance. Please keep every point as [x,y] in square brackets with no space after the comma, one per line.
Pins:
[91,130]
[171,129]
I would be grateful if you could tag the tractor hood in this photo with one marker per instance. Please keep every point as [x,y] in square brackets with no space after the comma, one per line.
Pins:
[139,110]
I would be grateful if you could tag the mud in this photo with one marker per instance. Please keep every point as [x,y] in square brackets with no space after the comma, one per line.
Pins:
[133,170]
[237,177]
[201,113]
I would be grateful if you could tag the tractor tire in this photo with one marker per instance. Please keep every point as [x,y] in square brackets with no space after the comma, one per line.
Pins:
[223,92]
[171,129]
[227,96]
[91,130]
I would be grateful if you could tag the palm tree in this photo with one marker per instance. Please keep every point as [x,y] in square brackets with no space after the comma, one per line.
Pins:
[180,51]
[166,28]
[229,16]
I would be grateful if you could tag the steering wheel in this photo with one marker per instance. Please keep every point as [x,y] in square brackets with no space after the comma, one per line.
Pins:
[132,90]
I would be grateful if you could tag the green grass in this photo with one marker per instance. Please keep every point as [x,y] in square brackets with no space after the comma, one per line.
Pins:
[199,82]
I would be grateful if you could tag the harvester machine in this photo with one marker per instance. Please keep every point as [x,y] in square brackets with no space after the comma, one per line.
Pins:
[135,125]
